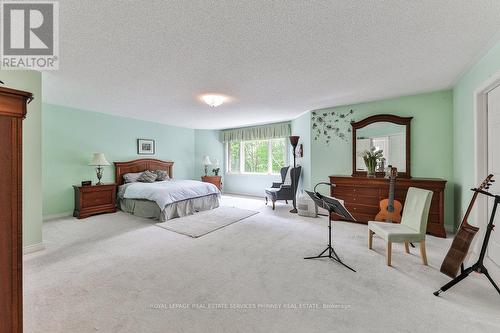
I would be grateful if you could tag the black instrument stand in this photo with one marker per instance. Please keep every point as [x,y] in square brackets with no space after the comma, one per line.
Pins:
[332,207]
[479,265]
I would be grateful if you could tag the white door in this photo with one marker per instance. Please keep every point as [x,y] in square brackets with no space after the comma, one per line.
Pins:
[494,167]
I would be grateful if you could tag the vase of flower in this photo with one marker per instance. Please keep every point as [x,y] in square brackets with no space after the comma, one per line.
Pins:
[371,158]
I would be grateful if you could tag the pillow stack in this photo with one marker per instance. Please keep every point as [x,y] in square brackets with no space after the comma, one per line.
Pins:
[161,175]
[131,177]
[147,177]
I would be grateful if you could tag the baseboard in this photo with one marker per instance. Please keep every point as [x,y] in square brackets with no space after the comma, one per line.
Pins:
[244,195]
[57,216]
[33,248]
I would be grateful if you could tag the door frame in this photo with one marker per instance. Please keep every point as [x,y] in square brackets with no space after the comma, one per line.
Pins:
[480,149]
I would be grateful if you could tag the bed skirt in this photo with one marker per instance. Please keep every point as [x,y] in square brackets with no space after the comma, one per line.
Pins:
[149,209]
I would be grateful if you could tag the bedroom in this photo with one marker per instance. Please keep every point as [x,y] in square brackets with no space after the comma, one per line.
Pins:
[215,246]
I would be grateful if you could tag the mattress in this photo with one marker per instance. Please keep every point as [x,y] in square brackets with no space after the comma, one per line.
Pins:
[168,199]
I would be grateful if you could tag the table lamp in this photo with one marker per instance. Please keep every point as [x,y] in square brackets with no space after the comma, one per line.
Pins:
[98,160]
[206,162]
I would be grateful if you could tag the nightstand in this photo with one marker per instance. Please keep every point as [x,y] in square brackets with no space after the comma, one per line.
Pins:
[216,180]
[94,199]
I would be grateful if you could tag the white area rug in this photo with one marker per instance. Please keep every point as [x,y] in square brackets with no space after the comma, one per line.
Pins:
[205,222]
[119,273]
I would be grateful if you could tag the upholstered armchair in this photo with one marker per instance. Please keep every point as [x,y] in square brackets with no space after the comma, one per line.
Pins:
[284,190]
[412,227]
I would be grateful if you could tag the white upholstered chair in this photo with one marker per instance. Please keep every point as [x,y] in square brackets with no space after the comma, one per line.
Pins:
[413,224]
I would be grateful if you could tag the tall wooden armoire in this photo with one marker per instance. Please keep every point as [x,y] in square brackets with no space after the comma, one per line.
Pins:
[12,112]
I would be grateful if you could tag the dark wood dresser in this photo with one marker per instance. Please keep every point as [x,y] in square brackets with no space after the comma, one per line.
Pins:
[216,180]
[12,112]
[94,199]
[362,196]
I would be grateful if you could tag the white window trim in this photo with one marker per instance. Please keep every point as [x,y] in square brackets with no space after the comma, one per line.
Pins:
[242,160]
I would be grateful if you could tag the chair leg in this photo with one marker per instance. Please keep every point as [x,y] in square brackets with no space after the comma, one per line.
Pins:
[370,239]
[286,201]
[407,247]
[266,201]
[274,206]
[423,253]
[389,253]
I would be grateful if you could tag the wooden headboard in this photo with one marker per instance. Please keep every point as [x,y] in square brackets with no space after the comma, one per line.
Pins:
[140,165]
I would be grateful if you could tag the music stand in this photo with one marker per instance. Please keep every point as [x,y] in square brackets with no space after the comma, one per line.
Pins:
[333,206]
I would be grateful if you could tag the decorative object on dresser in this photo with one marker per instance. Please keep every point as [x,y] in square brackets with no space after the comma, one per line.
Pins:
[216,180]
[206,162]
[86,182]
[283,190]
[412,227]
[390,209]
[460,246]
[294,141]
[12,112]
[372,157]
[97,199]
[98,160]
[145,147]
[362,196]
[215,165]
[385,132]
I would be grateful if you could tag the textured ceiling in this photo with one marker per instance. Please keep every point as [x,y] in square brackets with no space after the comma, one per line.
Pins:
[276,59]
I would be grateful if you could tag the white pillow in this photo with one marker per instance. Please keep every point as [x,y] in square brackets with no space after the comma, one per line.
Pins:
[131,177]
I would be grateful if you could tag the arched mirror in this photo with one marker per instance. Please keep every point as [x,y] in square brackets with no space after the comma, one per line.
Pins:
[386,133]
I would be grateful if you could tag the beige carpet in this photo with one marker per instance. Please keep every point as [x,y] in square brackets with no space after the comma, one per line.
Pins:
[119,273]
[205,222]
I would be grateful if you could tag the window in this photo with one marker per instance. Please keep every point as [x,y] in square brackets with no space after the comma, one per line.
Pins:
[256,156]
[234,155]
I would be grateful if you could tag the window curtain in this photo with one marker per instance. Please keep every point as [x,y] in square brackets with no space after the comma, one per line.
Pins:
[271,131]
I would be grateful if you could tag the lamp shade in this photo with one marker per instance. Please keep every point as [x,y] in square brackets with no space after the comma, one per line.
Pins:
[294,140]
[98,159]
[206,160]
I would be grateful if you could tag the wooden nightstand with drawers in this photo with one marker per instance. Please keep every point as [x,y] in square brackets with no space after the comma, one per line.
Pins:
[216,180]
[94,199]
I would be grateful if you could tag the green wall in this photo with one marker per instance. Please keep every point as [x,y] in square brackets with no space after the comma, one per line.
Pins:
[463,100]
[380,129]
[70,136]
[32,152]
[431,140]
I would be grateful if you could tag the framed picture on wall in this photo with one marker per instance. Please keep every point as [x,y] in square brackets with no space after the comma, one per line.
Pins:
[145,147]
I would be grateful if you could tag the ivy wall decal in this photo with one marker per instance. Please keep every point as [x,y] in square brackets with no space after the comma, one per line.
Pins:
[327,125]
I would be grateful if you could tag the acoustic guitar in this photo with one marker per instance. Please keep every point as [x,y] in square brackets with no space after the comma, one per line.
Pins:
[390,209]
[463,239]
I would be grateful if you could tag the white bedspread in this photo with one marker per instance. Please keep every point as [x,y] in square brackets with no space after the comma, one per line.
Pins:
[168,191]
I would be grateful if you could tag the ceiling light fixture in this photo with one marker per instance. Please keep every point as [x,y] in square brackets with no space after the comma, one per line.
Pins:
[214,100]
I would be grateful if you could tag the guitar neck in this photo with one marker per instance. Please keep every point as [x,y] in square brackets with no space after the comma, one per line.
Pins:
[469,209]
[391,194]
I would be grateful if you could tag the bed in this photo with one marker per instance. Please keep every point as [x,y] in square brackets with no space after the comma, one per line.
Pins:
[162,200]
